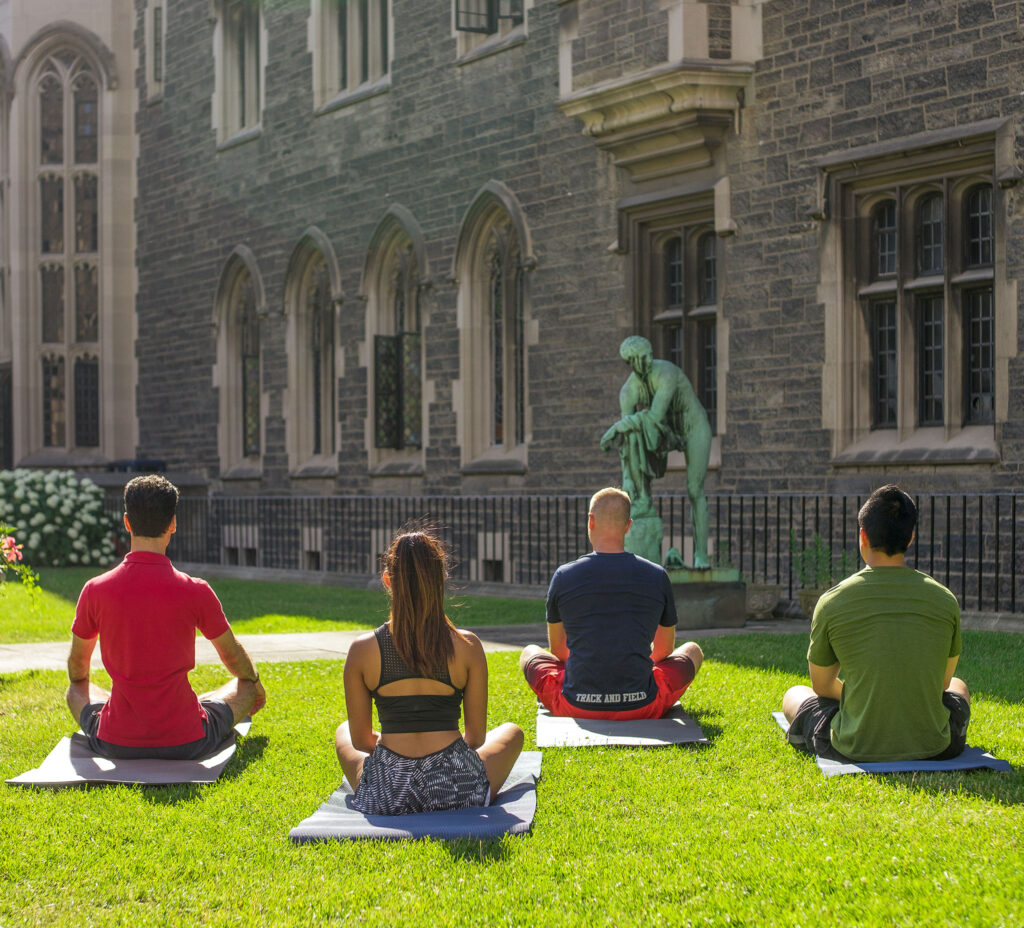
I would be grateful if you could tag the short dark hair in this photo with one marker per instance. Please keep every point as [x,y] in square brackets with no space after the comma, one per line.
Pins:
[150,503]
[889,518]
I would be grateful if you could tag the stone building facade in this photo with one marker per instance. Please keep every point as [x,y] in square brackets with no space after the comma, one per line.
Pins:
[392,246]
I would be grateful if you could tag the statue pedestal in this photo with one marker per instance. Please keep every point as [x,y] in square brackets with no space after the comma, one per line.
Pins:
[644,537]
[713,597]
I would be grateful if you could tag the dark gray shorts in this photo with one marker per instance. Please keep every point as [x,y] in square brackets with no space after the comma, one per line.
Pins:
[218,728]
[811,730]
[393,784]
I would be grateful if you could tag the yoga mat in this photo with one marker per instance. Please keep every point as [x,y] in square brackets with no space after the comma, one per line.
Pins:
[71,763]
[969,759]
[674,728]
[511,813]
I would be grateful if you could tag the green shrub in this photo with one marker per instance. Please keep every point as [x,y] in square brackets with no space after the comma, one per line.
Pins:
[60,518]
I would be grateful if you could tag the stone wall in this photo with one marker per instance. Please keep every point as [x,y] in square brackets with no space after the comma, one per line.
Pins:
[833,76]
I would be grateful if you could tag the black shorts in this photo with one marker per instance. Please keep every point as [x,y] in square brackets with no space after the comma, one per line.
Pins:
[393,784]
[217,729]
[811,730]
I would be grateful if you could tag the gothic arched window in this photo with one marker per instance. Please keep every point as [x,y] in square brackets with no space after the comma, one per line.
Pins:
[68,259]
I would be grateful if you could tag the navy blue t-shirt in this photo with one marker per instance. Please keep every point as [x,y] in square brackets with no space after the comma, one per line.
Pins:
[611,605]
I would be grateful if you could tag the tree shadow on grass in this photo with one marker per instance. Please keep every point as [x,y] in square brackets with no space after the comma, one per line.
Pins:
[249,750]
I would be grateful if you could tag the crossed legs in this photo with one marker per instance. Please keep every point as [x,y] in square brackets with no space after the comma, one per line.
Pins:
[241,696]
[796,696]
[502,745]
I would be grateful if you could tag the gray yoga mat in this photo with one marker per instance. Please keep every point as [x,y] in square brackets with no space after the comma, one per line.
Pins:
[511,813]
[970,759]
[674,728]
[71,764]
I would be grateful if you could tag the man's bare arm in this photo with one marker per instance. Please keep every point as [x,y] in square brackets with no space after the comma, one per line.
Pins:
[825,680]
[950,670]
[234,656]
[79,658]
[664,642]
[557,642]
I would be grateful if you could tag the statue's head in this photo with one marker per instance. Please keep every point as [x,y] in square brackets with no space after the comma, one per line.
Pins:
[636,351]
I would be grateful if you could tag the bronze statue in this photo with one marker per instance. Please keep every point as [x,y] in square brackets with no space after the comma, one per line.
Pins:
[660,413]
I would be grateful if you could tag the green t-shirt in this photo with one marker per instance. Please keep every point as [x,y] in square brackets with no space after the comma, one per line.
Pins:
[892,630]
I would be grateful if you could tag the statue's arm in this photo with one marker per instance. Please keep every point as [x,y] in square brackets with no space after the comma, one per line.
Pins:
[629,396]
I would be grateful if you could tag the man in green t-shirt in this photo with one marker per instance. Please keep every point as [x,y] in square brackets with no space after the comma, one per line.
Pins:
[895,633]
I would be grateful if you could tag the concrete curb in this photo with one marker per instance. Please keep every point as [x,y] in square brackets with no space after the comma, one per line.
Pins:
[325,646]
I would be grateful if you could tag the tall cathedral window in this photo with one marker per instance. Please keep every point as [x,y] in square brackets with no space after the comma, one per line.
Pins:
[398,351]
[68,258]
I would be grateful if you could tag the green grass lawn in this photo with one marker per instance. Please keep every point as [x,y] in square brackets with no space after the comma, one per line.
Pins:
[744,831]
[252,607]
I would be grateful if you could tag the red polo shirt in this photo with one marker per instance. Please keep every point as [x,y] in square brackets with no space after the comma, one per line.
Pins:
[146,614]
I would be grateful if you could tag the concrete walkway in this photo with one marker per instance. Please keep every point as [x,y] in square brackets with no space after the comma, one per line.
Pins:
[326,646]
[321,646]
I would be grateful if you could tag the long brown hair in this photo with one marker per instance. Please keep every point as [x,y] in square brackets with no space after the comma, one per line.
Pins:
[417,566]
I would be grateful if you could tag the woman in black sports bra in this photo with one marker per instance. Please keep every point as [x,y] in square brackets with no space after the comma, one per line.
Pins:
[420,669]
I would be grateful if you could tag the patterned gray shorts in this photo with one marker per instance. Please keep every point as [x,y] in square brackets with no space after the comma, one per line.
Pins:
[393,784]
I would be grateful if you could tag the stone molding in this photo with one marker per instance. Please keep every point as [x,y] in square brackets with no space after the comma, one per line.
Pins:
[664,121]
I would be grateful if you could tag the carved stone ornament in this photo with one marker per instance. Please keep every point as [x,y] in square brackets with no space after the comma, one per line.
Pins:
[665,121]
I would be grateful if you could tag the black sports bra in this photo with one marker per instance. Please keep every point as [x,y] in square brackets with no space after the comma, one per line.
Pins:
[414,713]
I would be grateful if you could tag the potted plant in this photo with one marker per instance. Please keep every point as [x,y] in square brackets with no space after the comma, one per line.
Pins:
[817,569]
[762,598]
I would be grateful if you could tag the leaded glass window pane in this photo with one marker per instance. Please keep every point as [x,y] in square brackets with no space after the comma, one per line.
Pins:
[981,349]
[707,269]
[52,290]
[707,380]
[411,389]
[885,371]
[674,272]
[87,402]
[250,371]
[54,415]
[158,44]
[86,134]
[51,206]
[929,235]
[321,357]
[386,387]
[342,44]
[86,214]
[364,41]
[51,120]
[477,16]
[383,35]
[86,303]
[497,301]
[979,227]
[883,234]
[930,358]
[519,356]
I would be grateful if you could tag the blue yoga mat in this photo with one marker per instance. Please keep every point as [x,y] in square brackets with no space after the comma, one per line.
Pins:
[511,813]
[970,759]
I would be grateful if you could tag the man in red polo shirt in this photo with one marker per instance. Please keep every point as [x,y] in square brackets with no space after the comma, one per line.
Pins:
[147,614]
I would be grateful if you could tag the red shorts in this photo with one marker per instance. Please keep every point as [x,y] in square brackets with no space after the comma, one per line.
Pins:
[545,674]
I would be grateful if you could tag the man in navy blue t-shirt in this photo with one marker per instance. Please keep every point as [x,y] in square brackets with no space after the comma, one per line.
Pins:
[611,630]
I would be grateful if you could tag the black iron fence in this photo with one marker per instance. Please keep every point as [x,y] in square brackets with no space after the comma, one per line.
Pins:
[967,542]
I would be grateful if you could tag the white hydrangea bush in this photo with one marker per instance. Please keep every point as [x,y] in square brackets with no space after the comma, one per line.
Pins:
[59,518]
